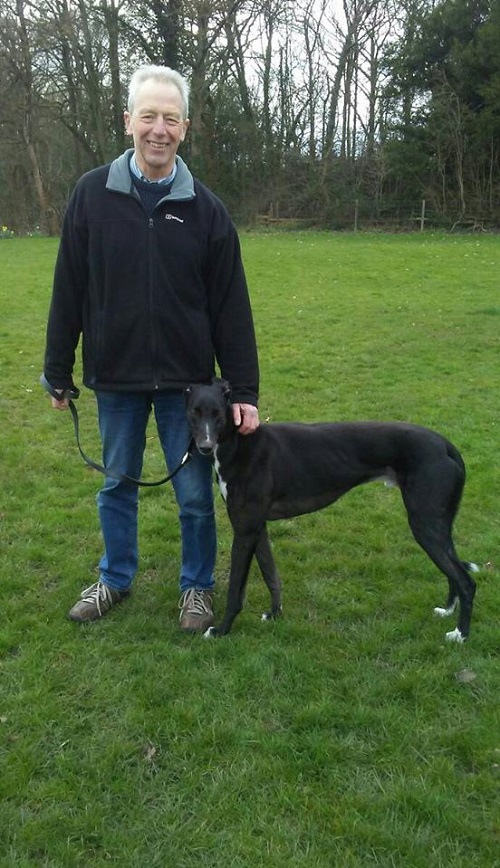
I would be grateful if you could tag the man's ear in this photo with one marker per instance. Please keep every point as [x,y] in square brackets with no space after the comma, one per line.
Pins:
[127,121]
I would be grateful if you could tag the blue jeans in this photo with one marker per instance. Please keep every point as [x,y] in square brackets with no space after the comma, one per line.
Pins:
[123,419]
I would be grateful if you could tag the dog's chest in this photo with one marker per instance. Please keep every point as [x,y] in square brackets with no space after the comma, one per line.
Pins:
[220,481]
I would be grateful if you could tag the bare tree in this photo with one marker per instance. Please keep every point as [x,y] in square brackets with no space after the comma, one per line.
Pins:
[288,100]
[111,13]
[312,27]
[21,63]
[350,36]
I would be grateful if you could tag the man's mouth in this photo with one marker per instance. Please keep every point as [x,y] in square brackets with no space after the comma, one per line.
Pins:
[157,146]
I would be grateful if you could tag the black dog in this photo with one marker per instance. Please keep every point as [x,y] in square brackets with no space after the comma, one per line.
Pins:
[284,470]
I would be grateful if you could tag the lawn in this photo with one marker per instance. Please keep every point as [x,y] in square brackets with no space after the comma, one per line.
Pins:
[347,734]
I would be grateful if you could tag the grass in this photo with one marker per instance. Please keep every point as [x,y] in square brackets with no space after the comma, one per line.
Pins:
[348,734]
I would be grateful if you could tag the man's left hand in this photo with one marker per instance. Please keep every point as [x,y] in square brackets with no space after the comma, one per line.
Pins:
[246,418]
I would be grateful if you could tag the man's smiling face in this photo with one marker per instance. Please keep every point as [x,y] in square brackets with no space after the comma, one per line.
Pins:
[157,126]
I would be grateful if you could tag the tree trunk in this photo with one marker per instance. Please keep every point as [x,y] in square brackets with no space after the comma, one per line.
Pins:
[28,125]
[111,19]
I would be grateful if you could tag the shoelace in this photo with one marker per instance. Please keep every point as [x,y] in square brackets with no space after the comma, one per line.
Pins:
[97,593]
[195,601]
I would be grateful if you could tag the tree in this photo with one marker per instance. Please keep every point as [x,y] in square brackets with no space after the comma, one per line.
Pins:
[298,107]
[453,65]
[19,37]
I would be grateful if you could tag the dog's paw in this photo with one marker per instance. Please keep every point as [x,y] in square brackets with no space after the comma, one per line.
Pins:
[442,613]
[445,612]
[271,616]
[211,633]
[455,636]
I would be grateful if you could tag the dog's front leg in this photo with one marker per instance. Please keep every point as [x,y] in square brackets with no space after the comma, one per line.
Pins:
[242,551]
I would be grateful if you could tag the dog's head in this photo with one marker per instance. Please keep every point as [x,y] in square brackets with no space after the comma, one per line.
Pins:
[208,409]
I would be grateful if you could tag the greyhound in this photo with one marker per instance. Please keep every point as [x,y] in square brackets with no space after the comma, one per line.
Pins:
[288,469]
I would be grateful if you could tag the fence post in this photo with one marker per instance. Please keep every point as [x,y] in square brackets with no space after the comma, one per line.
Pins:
[422,216]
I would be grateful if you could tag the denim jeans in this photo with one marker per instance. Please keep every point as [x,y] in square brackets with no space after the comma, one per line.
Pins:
[123,419]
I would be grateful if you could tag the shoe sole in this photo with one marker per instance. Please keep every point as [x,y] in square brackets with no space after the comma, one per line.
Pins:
[200,629]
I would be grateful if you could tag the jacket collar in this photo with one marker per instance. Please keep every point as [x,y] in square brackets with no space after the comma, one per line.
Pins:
[119,179]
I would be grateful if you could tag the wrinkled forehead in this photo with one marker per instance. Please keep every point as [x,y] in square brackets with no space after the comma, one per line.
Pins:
[158,97]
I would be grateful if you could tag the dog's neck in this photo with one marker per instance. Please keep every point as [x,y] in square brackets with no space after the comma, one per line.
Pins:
[230,430]
[229,438]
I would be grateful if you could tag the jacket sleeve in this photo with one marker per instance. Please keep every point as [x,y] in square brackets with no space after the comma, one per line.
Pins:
[68,294]
[233,332]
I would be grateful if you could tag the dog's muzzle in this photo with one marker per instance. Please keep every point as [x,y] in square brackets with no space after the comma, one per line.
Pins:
[205,449]
[205,440]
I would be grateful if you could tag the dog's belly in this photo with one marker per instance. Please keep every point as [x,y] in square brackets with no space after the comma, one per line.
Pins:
[289,508]
[309,486]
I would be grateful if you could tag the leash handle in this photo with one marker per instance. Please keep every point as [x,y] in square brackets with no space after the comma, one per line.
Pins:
[59,394]
[70,395]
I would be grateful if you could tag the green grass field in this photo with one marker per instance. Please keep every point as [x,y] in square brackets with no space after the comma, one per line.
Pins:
[347,734]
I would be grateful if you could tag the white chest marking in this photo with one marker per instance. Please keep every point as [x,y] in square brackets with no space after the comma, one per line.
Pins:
[220,482]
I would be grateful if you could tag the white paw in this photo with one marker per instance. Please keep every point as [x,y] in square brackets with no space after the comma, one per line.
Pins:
[474,568]
[266,616]
[445,613]
[455,636]
[209,634]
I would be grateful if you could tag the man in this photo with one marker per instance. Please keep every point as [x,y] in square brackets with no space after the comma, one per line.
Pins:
[149,272]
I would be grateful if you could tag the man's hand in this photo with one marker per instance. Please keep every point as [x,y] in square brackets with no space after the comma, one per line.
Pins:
[59,405]
[246,418]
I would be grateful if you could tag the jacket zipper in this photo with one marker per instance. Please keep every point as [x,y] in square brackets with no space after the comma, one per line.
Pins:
[153,344]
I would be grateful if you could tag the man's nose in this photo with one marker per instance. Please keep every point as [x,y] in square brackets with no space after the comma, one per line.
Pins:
[160,125]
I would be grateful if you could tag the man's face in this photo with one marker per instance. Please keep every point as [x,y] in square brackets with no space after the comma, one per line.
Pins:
[157,127]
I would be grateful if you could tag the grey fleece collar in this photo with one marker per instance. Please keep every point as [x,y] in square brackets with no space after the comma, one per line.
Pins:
[120,181]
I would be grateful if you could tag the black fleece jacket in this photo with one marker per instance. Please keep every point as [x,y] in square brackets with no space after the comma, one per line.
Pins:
[156,299]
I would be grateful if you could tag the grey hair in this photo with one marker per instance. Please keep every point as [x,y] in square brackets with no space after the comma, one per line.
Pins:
[163,74]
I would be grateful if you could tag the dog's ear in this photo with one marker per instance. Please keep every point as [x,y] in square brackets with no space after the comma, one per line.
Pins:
[224,385]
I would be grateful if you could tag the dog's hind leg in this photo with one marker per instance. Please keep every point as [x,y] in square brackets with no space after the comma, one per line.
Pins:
[432,503]
[434,536]
[453,600]
[267,566]
[451,605]
[436,541]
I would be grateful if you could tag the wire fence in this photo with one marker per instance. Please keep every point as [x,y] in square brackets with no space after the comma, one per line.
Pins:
[363,214]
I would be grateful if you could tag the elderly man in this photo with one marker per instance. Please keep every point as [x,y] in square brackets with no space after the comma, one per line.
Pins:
[149,273]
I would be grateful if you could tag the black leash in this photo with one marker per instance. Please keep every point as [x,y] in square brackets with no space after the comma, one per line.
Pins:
[71,395]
